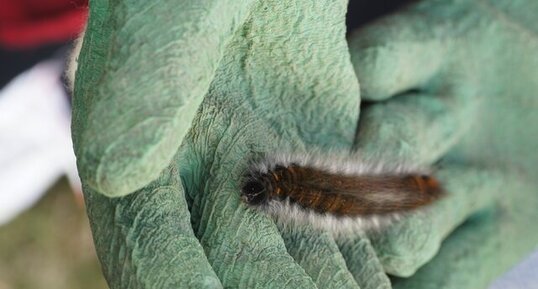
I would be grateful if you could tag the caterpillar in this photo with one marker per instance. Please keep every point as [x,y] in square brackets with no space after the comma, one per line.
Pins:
[335,193]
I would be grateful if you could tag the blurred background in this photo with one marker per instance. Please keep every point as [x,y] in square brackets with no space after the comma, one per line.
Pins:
[45,239]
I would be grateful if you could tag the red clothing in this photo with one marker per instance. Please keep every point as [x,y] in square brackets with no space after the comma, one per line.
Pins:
[31,23]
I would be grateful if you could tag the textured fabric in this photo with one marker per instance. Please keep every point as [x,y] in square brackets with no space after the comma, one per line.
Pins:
[172,101]
[461,76]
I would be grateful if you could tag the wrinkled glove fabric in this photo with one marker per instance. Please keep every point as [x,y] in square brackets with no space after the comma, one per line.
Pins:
[174,98]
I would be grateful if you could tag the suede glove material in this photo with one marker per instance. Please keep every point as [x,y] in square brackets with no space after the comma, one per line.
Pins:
[456,80]
[173,99]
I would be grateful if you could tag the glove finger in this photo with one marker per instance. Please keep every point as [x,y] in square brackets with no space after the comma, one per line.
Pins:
[398,53]
[486,245]
[406,245]
[134,86]
[417,128]
[317,253]
[407,50]
[145,239]
[362,261]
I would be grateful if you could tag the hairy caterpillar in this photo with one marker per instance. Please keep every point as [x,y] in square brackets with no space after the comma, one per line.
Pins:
[335,193]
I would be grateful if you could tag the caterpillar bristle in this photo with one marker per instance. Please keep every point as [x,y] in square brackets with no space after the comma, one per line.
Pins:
[336,193]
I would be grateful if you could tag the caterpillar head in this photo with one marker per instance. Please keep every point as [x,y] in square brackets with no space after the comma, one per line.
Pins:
[254,191]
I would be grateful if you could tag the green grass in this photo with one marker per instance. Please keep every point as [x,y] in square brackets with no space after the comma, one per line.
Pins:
[50,246]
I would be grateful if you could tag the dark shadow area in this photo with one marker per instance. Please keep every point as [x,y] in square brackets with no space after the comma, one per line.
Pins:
[14,62]
[361,12]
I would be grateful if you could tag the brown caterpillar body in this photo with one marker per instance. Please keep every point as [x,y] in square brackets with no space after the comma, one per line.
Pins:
[339,194]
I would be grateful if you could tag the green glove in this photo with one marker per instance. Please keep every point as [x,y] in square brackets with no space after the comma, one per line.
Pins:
[275,76]
[456,80]
[269,71]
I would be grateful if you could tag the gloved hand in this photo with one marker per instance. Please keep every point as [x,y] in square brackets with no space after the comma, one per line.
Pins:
[457,81]
[275,77]
[272,76]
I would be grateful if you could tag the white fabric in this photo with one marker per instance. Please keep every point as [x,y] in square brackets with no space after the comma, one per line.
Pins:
[35,140]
